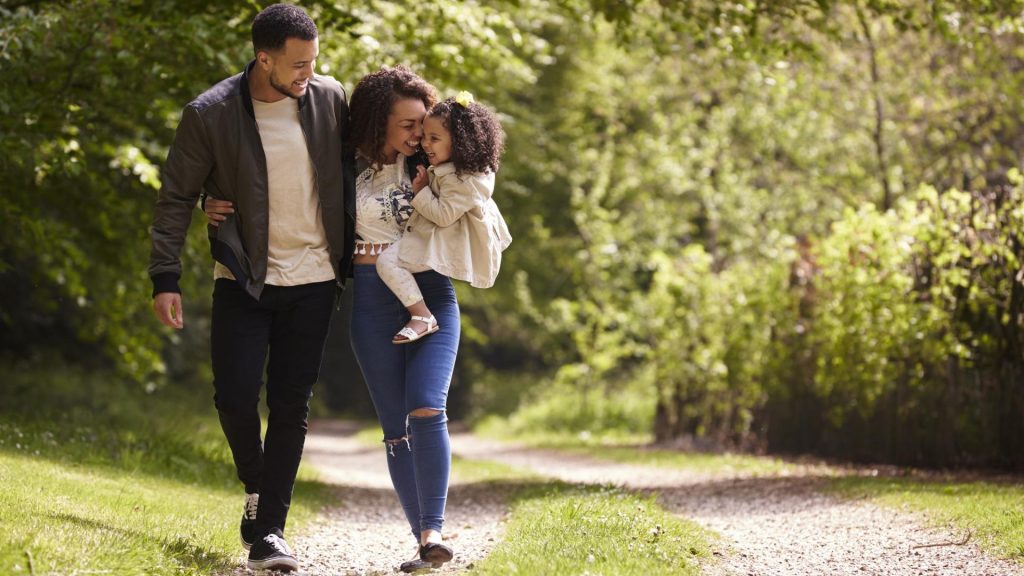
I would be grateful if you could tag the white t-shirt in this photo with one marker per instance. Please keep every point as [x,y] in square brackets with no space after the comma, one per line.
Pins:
[297,250]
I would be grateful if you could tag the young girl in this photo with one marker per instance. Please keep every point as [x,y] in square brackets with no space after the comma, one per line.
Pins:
[457,229]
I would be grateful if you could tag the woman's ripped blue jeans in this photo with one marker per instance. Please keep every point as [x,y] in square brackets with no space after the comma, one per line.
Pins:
[407,379]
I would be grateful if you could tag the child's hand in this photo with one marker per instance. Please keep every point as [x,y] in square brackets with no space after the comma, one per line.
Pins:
[421,180]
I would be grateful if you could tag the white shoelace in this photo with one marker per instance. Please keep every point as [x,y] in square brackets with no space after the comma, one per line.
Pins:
[277,543]
[252,502]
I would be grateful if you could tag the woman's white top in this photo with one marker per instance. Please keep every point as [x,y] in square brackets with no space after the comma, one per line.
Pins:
[383,206]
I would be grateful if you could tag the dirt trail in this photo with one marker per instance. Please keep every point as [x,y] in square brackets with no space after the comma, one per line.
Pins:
[782,525]
[366,533]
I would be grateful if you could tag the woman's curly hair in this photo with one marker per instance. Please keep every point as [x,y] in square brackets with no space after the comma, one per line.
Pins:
[477,138]
[371,104]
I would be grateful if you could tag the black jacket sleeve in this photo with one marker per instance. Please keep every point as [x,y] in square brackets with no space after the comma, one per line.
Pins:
[189,163]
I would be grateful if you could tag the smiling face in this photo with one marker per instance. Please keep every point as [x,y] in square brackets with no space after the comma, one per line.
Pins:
[437,140]
[405,128]
[290,68]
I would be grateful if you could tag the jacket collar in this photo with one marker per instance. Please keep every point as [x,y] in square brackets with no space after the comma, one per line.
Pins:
[243,88]
[484,181]
[443,169]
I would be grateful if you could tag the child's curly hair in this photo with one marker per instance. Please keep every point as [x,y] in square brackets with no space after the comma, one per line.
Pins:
[477,138]
[371,104]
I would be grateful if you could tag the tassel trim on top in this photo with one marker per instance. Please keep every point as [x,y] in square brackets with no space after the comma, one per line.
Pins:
[371,248]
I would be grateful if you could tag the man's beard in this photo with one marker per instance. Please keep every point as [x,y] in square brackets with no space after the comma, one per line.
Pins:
[276,85]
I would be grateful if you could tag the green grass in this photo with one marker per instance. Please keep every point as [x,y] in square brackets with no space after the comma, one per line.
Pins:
[635,449]
[993,512]
[561,530]
[61,519]
[558,529]
[101,476]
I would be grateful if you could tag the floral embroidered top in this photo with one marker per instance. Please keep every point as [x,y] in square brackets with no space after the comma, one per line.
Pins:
[383,206]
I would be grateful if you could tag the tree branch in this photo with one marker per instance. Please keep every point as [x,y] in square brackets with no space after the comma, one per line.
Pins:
[883,164]
[966,539]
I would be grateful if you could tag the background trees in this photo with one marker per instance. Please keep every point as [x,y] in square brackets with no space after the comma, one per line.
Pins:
[787,225]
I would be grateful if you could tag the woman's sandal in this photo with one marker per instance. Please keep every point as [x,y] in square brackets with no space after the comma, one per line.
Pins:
[417,564]
[431,555]
[436,553]
[411,335]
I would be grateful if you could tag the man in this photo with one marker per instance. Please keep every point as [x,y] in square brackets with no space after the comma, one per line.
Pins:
[270,141]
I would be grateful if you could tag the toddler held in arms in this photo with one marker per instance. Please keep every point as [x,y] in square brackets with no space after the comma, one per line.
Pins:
[457,229]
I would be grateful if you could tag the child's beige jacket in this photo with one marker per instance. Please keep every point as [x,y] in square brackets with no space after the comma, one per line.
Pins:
[457,229]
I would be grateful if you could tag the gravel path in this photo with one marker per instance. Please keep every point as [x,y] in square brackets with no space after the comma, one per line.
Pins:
[366,533]
[781,525]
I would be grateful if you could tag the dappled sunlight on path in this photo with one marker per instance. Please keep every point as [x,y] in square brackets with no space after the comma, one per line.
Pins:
[781,523]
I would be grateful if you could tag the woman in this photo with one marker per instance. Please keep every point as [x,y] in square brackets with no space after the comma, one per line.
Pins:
[408,384]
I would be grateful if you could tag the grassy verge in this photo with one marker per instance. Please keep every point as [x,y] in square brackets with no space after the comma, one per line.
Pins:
[992,512]
[635,449]
[100,476]
[558,529]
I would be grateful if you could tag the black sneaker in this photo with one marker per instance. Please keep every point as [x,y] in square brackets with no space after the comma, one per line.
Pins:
[272,553]
[247,529]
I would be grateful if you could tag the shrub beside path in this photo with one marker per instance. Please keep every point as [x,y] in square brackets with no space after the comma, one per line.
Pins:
[778,525]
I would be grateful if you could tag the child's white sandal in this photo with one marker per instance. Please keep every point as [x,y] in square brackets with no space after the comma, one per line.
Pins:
[411,335]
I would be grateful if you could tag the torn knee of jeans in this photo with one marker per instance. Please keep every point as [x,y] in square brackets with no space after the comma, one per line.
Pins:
[424,413]
[392,442]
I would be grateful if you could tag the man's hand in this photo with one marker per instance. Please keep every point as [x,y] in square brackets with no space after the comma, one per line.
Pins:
[216,210]
[167,306]
[421,180]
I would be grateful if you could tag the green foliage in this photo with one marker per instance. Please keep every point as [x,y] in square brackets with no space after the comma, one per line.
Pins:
[81,133]
[570,405]
[728,218]
[750,239]
[866,322]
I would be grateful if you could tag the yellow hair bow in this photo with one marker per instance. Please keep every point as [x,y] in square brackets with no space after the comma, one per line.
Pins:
[464,99]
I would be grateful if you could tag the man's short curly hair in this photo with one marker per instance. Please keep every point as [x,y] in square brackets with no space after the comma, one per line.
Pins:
[477,138]
[371,104]
[276,23]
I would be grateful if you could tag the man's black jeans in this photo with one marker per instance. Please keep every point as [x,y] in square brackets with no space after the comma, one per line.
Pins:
[290,323]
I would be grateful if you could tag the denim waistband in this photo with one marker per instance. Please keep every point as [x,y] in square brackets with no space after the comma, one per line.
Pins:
[370,271]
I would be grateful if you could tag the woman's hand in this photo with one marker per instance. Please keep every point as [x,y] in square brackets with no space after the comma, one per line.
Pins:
[217,210]
[421,180]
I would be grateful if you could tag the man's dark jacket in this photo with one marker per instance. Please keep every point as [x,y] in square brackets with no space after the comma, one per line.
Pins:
[217,153]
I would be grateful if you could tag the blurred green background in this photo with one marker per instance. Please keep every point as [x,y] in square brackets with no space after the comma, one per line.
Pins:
[785,226]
